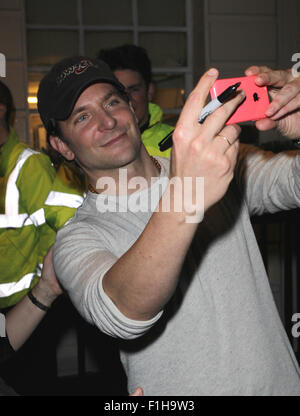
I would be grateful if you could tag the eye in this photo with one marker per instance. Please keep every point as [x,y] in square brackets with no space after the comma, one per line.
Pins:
[114,101]
[134,89]
[81,118]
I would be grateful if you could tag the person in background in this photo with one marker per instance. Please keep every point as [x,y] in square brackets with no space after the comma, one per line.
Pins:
[132,66]
[26,178]
[28,228]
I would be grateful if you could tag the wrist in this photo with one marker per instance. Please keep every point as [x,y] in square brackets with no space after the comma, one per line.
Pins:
[44,294]
[36,302]
[184,199]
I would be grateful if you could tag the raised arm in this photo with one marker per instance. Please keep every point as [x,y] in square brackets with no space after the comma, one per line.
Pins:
[142,281]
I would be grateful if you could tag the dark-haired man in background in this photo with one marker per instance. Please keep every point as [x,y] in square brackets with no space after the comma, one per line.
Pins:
[132,66]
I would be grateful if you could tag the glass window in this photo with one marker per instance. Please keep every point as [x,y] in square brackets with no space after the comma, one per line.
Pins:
[47,47]
[170,80]
[34,79]
[161,12]
[51,12]
[169,95]
[113,24]
[94,41]
[111,12]
[165,49]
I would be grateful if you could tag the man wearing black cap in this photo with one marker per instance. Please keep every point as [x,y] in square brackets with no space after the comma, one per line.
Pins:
[130,251]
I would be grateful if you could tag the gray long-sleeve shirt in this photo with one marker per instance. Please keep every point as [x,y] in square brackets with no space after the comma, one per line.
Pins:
[221,333]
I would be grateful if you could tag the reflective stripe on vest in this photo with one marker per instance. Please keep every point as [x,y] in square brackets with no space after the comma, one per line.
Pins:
[12,218]
[18,221]
[8,289]
[12,192]
[63,199]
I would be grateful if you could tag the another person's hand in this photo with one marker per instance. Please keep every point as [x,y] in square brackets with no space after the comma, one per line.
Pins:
[24,317]
[48,287]
[284,110]
[137,392]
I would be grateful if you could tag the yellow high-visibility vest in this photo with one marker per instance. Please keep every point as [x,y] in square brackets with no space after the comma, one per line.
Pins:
[155,132]
[27,178]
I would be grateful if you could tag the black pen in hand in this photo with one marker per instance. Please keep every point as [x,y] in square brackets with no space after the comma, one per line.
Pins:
[167,142]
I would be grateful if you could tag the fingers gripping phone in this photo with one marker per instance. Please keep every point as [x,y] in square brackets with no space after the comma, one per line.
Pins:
[255,104]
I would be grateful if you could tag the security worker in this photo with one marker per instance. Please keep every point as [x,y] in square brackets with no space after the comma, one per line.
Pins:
[27,226]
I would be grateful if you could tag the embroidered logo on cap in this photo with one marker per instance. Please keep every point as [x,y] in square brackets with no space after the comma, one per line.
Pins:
[77,69]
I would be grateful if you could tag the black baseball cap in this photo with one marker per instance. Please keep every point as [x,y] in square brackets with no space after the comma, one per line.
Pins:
[62,86]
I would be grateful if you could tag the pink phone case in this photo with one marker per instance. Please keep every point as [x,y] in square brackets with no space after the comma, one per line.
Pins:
[255,104]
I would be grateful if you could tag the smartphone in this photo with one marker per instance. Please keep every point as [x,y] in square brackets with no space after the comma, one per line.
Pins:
[255,104]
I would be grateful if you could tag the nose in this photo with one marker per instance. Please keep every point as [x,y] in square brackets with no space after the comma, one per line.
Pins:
[106,121]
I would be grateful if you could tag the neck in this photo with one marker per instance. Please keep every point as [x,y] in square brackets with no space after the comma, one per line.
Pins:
[140,170]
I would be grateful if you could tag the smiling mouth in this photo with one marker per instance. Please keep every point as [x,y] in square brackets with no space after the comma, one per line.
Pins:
[115,140]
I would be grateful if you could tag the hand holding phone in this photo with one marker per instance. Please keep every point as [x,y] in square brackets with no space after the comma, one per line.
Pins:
[252,108]
[255,104]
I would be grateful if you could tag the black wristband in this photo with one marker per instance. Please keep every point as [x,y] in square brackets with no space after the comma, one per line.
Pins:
[36,302]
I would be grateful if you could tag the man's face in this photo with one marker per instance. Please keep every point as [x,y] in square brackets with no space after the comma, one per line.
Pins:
[101,132]
[136,89]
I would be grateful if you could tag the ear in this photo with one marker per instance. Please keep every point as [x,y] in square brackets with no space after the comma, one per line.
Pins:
[151,91]
[61,147]
[2,111]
